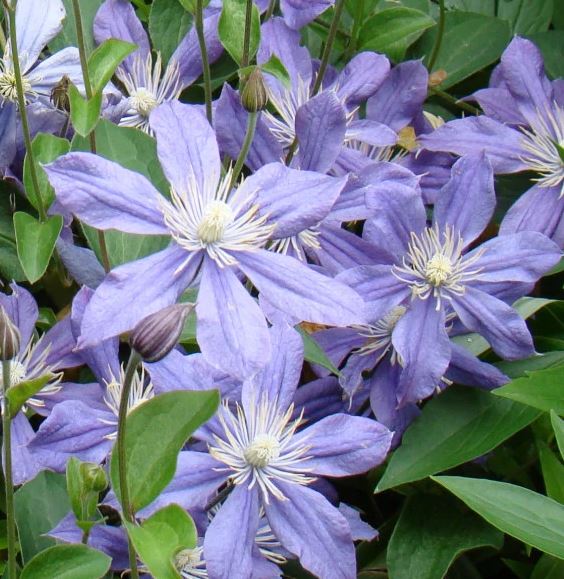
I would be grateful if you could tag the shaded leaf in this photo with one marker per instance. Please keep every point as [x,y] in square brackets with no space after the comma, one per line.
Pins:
[231,29]
[103,62]
[169,22]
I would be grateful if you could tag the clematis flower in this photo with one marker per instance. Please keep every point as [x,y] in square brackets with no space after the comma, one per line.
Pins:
[298,13]
[433,275]
[144,79]
[523,130]
[216,231]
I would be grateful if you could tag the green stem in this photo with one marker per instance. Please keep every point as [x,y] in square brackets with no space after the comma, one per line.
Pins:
[89,94]
[339,5]
[2,39]
[249,136]
[199,25]
[454,101]
[7,430]
[126,506]
[270,10]
[439,38]
[291,151]
[247,34]
[11,14]
[358,19]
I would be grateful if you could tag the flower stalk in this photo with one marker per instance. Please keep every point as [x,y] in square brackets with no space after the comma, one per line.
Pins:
[249,136]
[440,34]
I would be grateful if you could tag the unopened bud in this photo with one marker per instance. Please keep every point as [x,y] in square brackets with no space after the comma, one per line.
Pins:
[9,337]
[93,476]
[254,97]
[438,77]
[156,335]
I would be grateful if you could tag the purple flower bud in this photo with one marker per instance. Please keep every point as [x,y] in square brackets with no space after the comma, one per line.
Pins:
[254,97]
[156,335]
[9,337]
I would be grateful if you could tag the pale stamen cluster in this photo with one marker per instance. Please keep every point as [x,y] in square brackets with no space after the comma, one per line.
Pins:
[8,88]
[306,238]
[215,220]
[147,89]
[434,265]
[544,146]
[191,564]
[258,447]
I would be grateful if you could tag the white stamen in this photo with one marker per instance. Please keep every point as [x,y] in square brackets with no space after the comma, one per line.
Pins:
[8,89]
[259,449]
[308,238]
[435,267]
[190,563]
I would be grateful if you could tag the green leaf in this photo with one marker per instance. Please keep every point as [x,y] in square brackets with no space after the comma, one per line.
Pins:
[19,394]
[393,30]
[548,567]
[46,148]
[190,5]
[67,562]
[67,37]
[518,368]
[156,432]
[541,389]
[314,354]
[85,482]
[84,113]
[430,533]
[161,537]
[453,428]
[528,516]
[486,7]
[274,67]
[558,427]
[551,44]
[231,29]
[169,22]
[103,62]
[39,506]
[525,16]
[552,472]
[470,43]
[35,242]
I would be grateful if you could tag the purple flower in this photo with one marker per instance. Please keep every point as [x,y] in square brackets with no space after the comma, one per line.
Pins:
[523,130]
[217,233]
[298,13]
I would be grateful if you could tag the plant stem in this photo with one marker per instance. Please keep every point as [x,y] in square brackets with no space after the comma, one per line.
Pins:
[247,34]
[339,5]
[291,151]
[454,101]
[89,94]
[270,10]
[439,38]
[358,18]
[199,25]
[249,135]
[7,460]
[127,509]
[21,106]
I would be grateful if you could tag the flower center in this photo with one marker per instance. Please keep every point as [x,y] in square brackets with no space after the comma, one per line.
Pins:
[379,335]
[190,564]
[143,101]
[8,88]
[217,216]
[262,450]
[438,269]
[17,373]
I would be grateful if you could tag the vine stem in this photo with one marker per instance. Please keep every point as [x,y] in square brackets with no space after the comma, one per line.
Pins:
[11,13]
[249,136]
[199,25]
[7,460]
[358,18]
[454,101]
[270,10]
[127,509]
[247,34]
[328,45]
[440,34]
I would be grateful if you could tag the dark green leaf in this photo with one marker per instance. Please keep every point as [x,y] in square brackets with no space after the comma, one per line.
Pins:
[67,36]
[39,505]
[156,432]
[486,7]
[541,389]
[548,568]
[314,354]
[161,537]
[455,427]
[552,472]
[551,44]
[46,148]
[231,29]
[528,516]
[20,393]
[67,562]
[190,5]
[525,16]
[431,532]
[35,242]
[103,62]
[84,113]
[558,427]
[169,22]
[519,368]
[275,67]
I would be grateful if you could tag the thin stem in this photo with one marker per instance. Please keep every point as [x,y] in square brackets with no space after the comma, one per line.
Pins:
[7,430]
[454,101]
[127,509]
[440,34]
[2,39]
[340,4]
[270,10]
[199,25]
[247,34]
[249,136]
[291,151]
[11,13]
[358,19]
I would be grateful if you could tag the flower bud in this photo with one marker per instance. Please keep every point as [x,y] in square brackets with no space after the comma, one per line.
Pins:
[94,478]
[60,94]
[9,337]
[156,335]
[254,97]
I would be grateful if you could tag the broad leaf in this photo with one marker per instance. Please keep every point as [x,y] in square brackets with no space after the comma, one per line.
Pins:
[231,29]
[35,242]
[558,427]
[161,537]
[528,516]
[525,16]
[552,472]
[169,22]
[314,354]
[103,62]
[551,44]
[67,37]
[67,562]
[20,393]
[274,67]
[84,113]
[431,532]
[455,427]
[156,432]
